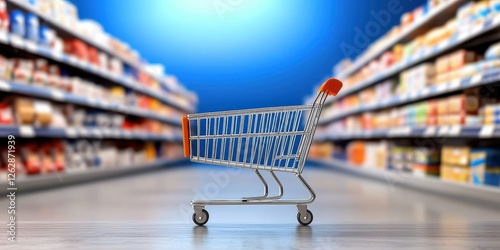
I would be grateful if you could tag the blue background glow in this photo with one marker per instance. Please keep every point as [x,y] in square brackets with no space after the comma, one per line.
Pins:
[250,54]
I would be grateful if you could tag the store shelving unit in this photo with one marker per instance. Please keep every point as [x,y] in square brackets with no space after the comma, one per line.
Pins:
[15,45]
[41,51]
[394,179]
[482,78]
[446,46]
[53,180]
[72,33]
[92,133]
[60,96]
[453,131]
[478,37]
[429,20]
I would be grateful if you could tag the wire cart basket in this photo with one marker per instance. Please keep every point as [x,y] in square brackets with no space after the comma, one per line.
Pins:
[267,139]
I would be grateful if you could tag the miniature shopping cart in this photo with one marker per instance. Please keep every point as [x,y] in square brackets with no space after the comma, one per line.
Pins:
[270,139]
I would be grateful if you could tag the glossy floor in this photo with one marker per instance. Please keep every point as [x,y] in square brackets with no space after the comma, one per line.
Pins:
[152,211]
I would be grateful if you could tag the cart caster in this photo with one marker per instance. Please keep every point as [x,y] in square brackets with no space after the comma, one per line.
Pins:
[305,220]
[201,220]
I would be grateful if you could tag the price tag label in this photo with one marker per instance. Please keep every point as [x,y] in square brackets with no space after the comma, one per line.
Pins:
[425,91]
[17,41]
[442,45]
[440,88]
[405,130]
[31,46]
[4,37]
[127,134]
[476,79]
[430,131]
[72,60]
[413,94]
[4,86]
[56,54]
[97,133]
[57,95]
[496,21]
[443,130]
[455,130]
[454,84]
[476,29]
[26,131]
[486,131]
[84,132]
[71,132]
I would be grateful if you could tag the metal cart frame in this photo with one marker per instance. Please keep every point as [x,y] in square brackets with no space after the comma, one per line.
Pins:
[268,139]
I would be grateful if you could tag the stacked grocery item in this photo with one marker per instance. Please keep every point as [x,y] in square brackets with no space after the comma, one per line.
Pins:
[451,67]
[477,166]
[17,111]
[29,31]
[49,156]
[471,16]
[367,154]
[475,106]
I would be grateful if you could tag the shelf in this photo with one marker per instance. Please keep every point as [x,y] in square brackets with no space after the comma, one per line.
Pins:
[67,30]
[429,20]
[42,181]
[461,131]
[26,131]
[127,82]
[488,77]
[445,46]
[461,191]
[60,96]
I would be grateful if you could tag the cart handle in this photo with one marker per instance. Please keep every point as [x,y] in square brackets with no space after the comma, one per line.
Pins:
[332,86]
[185,136]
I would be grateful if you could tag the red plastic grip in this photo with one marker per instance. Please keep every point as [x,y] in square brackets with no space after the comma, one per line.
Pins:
[332,86]
[185,136]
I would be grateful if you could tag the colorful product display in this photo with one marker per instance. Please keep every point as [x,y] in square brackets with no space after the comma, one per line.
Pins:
[447,68]
[477,166]
[49,156]
[470,16]
[41,113]
[29,28]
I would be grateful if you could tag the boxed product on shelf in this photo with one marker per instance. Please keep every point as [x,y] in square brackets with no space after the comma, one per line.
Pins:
[24,111]
[43,112]
[492,177]
[17,24]
[426,162]
[4,17]
[484,161]
[321,150]
[30,158]
[6,112]
[23,70]
[32,27]
[454,173]
[493,52]
[449,67]
[455,163]
[455,155]
[401,158]
[368,154]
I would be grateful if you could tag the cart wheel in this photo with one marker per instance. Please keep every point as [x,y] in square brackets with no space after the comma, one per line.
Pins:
[305,220]
[201,220]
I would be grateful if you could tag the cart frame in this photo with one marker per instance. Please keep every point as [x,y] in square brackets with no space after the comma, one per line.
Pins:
[268,139]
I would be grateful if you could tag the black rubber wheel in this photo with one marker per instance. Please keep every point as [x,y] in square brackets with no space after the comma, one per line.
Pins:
[200,221]
[305,220]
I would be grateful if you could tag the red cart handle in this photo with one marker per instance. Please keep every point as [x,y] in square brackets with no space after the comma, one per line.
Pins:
[332,86]
[185,136]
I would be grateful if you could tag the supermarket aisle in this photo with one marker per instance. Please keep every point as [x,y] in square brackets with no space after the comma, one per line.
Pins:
[153,209]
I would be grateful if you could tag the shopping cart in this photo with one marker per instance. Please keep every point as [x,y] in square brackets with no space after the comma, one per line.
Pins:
[270,139]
